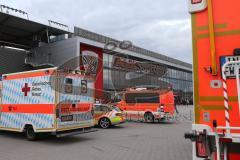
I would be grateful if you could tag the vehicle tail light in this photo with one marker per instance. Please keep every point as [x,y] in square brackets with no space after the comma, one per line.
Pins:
[92,111]
[201,149]
[201,146]
[57,113]
[196,1]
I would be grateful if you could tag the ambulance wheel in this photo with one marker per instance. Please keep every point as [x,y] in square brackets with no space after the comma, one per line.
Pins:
[104,123]
[148,117]
[30,134]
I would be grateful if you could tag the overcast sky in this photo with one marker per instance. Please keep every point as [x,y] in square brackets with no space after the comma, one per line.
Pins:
[158,25]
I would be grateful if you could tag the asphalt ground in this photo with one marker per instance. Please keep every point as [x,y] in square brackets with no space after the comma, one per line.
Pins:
[129,141]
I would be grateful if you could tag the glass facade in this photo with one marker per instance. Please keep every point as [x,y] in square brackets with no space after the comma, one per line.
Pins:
[134,71]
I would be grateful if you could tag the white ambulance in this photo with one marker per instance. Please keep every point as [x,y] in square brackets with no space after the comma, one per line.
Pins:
[46,101]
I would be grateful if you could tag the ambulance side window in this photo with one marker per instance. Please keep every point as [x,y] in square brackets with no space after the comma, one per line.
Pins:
[68,85]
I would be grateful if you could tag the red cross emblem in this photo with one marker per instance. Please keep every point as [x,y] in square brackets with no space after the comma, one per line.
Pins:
[26,89]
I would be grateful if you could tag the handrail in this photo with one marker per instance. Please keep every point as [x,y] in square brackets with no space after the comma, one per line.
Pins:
[238,87]
[224,78]
[212,38]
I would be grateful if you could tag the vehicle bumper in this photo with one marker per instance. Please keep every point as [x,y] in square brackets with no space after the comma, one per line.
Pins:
[71,132]
[117,120]
[163,115]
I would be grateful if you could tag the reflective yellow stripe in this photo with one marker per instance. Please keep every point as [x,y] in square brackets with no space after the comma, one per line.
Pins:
[217,98]
[214,108]
[219,34]
[216,26]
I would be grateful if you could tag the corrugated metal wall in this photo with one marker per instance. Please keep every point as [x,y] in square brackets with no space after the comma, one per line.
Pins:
[12,61]
[56,54]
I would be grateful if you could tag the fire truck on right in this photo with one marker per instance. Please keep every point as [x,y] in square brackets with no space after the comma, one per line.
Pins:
[215,131]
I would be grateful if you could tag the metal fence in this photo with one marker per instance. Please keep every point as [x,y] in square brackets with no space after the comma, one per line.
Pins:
[185,113]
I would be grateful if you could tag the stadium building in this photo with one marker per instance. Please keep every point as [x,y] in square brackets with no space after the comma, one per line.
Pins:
[116,65]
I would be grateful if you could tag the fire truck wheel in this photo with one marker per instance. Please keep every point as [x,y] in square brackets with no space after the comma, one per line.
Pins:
[104,123]
[30,134]
[148,117]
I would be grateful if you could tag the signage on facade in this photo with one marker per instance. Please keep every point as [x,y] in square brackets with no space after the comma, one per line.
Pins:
[141,67]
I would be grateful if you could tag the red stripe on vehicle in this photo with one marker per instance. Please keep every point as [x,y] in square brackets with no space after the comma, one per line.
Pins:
[29,108]
[29,74]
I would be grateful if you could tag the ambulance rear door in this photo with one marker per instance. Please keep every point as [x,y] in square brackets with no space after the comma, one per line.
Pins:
[76,99]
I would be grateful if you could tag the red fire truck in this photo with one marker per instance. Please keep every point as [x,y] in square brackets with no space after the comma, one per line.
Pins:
[148,104]
[216,58]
